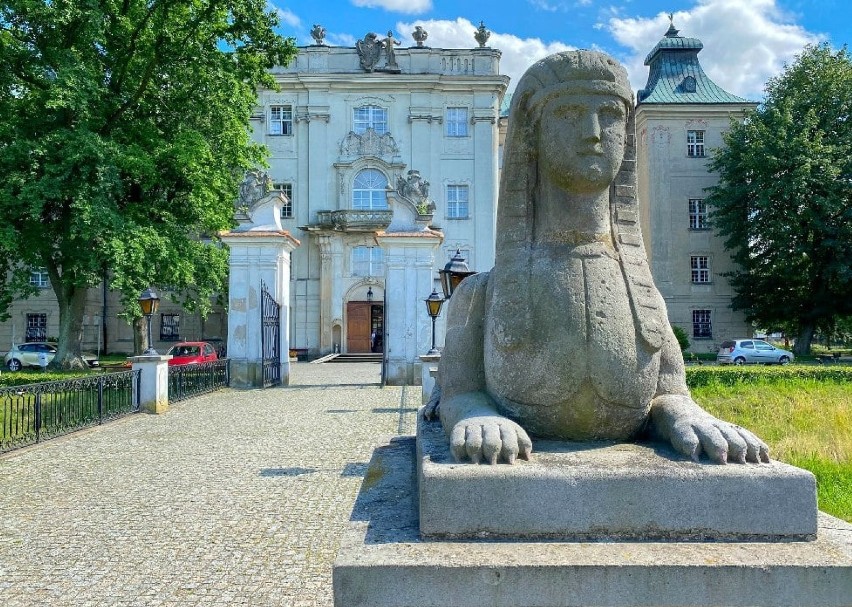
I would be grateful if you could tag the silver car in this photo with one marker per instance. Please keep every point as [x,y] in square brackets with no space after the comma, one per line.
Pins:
[751,351]
[27,355]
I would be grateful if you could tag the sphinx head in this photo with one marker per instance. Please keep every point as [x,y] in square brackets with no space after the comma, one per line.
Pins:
[575,106]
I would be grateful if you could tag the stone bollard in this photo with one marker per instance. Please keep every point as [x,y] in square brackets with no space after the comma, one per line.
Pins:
[153,382]
[427,374]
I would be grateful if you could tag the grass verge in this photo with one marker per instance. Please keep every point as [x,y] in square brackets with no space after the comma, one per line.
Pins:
[806,423]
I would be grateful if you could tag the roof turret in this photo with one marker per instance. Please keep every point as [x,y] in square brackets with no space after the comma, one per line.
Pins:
[676,75]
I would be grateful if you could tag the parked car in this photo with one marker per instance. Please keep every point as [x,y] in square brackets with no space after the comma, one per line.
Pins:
[751,351]
[27,355]
[192,353]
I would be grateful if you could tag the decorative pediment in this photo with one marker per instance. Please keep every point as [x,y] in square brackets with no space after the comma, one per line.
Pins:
[368,143]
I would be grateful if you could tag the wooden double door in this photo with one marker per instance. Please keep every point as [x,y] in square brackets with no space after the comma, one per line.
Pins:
[364,327]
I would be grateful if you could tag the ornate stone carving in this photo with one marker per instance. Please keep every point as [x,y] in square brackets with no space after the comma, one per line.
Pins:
[368,51]
[255,186]
[416,189]
[369,143]
[419,34]
[318,34]
[567,336]
[482,35]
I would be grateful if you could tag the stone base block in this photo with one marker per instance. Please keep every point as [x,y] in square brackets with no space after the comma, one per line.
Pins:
[609,491]
[249,373]
[383,562]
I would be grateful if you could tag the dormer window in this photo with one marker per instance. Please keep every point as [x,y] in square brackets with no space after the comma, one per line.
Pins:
[688,84]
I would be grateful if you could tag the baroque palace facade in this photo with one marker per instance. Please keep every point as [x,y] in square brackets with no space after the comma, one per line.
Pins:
[349,124]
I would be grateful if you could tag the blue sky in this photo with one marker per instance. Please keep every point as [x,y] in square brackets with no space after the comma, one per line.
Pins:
[745,41]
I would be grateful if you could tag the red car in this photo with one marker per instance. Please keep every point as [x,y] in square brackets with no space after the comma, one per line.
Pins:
[192,353]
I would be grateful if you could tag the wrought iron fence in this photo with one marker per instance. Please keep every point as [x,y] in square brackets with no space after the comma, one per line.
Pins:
[186,381]
[34,412]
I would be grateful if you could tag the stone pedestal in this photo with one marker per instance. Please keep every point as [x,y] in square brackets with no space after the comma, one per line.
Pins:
[624,491]
[153,382]
[427,375]
[260,253]
[385,562]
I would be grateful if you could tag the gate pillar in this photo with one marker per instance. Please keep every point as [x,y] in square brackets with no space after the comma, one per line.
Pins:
[260,253]
[409,279]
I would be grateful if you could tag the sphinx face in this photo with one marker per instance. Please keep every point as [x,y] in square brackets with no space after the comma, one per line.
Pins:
[581,141]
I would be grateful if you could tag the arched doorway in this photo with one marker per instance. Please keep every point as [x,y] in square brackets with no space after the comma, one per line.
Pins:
[364,327]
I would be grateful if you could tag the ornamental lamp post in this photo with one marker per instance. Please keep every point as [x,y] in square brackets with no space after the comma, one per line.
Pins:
[433,308]
[453,273]
[149,301]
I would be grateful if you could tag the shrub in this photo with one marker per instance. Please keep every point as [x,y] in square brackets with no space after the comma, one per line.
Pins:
[682,338]
[697,377]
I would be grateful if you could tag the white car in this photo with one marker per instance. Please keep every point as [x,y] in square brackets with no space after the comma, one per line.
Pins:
[27,355]
[752,351]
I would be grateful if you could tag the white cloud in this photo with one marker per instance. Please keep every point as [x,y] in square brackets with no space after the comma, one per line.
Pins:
[341,40]
[286,15]
[413,7]
[745,43]
[518,53]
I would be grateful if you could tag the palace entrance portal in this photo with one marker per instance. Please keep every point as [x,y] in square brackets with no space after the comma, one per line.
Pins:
[364,327]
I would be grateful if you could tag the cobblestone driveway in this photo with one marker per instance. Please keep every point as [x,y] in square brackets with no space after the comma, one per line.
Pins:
[234,498]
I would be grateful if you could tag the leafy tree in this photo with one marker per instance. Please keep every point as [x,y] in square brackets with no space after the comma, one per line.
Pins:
[682,337]
[784,199]
[123,138]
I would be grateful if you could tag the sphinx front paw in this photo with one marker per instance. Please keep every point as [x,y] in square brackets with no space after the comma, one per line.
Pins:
[692,431]
[489,438]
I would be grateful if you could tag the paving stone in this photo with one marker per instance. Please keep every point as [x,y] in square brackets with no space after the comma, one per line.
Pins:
[236,497]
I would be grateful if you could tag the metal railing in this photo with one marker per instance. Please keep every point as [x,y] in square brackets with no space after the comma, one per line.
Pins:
[186,381]
[34,412]
[354,220]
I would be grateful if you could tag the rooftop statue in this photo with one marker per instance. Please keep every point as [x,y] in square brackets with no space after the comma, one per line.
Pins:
[567,336]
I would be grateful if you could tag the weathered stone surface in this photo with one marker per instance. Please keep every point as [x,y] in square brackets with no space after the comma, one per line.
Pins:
[567,336]
[383,562]
[587,490]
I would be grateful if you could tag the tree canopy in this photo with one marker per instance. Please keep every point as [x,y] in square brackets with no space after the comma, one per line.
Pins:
[123,138]
[784,199]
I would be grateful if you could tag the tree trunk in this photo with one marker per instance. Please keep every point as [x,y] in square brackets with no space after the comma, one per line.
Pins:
[72,304]
[803,340]
[140,335]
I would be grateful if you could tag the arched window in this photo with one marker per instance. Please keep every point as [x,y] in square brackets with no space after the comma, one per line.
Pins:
[369,190]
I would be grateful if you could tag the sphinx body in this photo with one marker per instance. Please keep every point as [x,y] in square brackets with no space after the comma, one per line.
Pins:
[567,337]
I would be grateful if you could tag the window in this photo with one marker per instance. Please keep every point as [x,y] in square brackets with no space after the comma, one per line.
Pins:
[281,120]
[457,202]
[698,214]
[368,261]
[169,327]
[36,327]
[369,190]
[38,278]
[695,144]
[701,326]
[700,265]
[456,122]
[370,117]
[287,188]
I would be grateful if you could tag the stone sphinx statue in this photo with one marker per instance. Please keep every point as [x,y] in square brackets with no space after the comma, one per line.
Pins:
[567,336]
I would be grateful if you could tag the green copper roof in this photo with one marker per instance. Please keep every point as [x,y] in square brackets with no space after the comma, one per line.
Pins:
[676,75]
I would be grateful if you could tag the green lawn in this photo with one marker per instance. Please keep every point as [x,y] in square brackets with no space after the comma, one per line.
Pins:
[805,423]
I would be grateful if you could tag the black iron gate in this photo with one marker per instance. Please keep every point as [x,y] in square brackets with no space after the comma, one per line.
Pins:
[270,337]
